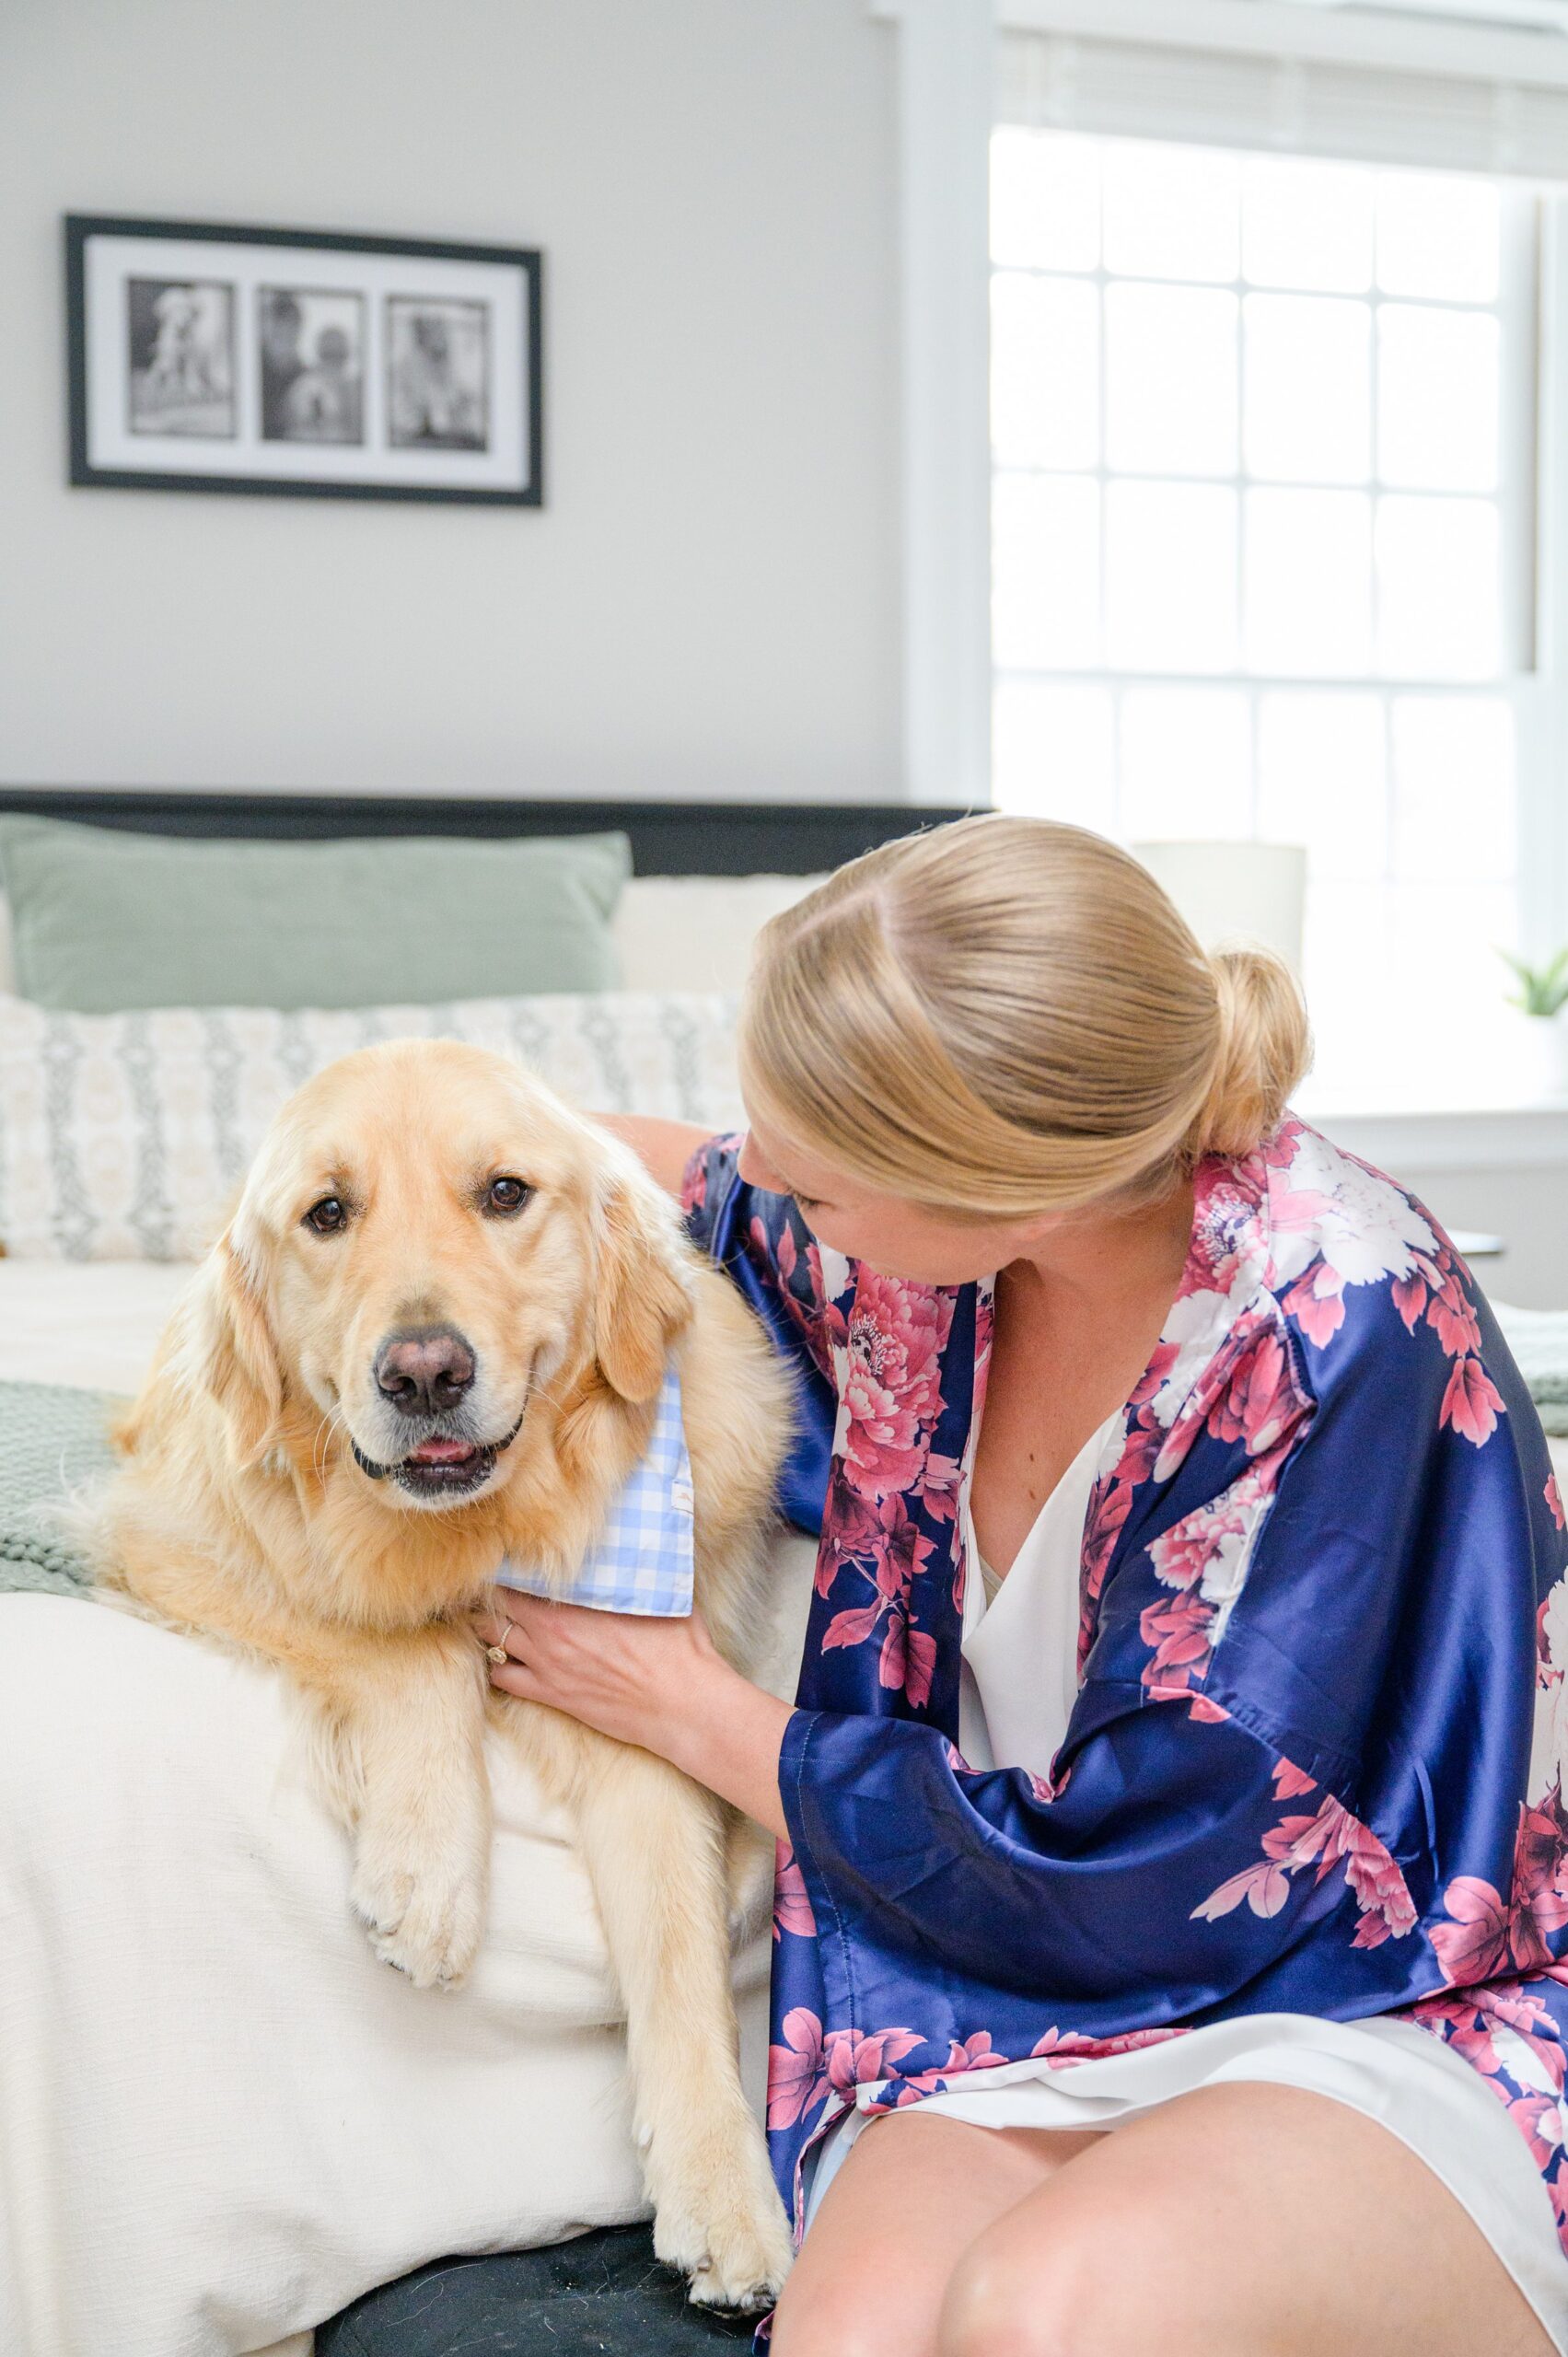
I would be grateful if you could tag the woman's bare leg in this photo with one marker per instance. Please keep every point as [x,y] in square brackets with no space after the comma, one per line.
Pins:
[1241,2221]
[911,2199]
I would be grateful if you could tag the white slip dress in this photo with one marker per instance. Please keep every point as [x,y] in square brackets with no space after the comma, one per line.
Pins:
[1018,1684]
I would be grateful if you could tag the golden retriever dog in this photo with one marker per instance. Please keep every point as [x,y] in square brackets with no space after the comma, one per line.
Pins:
[434,1334]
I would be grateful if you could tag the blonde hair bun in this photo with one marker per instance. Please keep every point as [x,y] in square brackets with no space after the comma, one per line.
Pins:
[1007,1016]
[1264,1048]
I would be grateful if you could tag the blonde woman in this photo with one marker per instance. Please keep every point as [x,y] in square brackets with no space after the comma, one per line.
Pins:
[1167,1916]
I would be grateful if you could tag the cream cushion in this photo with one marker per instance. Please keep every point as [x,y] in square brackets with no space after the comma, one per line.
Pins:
[696,933]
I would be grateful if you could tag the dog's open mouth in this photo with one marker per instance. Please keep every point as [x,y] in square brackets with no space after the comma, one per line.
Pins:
[441,1466]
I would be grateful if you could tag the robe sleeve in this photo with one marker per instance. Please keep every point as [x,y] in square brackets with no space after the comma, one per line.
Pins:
[1250,1809]
[765,1248]
[1148,1890]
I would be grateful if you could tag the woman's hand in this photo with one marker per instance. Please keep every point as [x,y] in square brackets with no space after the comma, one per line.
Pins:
[646,1679]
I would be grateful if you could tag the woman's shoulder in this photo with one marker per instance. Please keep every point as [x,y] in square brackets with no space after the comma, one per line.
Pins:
[1348,1255]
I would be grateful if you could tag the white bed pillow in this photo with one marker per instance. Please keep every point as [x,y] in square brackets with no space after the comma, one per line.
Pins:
[121,1137]
[696,933]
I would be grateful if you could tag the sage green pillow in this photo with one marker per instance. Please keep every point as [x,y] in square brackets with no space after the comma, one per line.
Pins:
[104,922]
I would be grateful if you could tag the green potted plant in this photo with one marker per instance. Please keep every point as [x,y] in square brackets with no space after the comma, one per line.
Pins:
[1541,996]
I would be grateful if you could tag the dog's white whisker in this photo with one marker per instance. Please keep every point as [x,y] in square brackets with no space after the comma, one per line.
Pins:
[333,1420]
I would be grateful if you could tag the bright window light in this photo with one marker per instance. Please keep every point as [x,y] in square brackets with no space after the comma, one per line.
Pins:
[1301,229]
[1170,211]
[1170,380]
[1308,388]
[1262,542]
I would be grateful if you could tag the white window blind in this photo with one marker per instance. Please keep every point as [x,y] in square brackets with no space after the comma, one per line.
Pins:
[1283,78]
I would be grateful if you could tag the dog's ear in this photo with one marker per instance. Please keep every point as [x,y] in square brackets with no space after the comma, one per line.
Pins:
[643,1297]
[236,1358]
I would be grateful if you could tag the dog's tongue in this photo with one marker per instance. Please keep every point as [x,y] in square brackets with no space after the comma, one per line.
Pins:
[441,1452]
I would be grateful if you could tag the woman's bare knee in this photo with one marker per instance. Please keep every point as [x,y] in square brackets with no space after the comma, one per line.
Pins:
[1061,2279]
[910,2198]
[1026,2300]
[839,2316]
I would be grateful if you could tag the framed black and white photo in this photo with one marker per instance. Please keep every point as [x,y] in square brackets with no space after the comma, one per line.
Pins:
[204,357]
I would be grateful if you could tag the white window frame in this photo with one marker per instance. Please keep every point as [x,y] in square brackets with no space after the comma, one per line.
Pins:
[945,71]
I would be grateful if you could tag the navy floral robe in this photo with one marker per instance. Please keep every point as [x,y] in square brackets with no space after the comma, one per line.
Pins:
[1323,1618]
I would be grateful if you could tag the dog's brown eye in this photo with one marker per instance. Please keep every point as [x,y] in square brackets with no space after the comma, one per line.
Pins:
[328,1217]
[506,1195]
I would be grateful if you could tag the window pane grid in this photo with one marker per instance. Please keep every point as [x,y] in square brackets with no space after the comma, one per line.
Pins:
[1278,583]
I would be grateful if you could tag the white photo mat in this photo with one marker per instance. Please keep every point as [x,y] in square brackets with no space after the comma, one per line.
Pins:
[109,446]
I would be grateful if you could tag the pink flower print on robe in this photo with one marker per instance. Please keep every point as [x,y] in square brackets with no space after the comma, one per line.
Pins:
[892,1386]
[806,1313]
[1317,1302]
[857,2059]
[852,1531]
[1488,1935]
[1177,1629]
[974,2053]
[1471,1403]
[1435,1286]
[1330,1838]
[792,1904]
[1262,1398]
[1064,2047]
[897,1552]
[797,2076]
[808,2066]
[1206,1555]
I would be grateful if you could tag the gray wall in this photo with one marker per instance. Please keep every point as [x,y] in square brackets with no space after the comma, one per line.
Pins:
[709,604]
[1527,1208]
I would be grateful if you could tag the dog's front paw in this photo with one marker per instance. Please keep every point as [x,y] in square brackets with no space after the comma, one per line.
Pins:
[427,1924]
[724,2227]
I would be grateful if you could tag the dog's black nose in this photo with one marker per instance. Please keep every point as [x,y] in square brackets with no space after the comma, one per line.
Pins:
[423,1369]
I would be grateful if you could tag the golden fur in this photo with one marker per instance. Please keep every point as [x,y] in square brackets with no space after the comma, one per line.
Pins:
[241,1511]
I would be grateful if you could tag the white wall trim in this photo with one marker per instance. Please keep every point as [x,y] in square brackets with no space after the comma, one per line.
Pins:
[1523,1138]
[946,65]
[1277,29]
[1543,816]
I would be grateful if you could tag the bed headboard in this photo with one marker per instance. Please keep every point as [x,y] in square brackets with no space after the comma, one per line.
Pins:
[667,838]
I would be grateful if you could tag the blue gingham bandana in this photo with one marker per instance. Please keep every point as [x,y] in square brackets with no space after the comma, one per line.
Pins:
[642,1560]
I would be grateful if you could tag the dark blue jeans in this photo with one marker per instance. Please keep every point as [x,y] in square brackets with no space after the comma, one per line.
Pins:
[602,2292]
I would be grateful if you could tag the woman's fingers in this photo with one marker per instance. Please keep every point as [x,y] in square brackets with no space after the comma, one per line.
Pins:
[507,1617]
[515,1677]
[502,1640]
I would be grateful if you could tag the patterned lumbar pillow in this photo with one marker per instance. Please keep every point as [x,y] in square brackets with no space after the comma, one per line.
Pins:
[121,1137]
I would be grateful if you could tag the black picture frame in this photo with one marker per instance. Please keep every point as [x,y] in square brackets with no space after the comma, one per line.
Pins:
[429,451]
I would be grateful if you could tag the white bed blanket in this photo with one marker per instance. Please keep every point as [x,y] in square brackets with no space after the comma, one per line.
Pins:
[220,2118]
[88,1322]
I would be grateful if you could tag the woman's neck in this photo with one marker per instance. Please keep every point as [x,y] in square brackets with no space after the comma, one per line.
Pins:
[1108,1257]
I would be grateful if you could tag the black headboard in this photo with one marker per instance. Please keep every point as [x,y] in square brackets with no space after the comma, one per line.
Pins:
[667,838]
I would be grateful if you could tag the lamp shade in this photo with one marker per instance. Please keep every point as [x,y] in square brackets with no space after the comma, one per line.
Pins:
[1230,892]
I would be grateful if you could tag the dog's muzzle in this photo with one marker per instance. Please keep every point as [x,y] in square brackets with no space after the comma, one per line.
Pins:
[443,1465]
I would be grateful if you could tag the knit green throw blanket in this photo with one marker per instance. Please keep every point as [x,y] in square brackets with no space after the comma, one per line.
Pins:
[53,1439]
[1539,1339]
